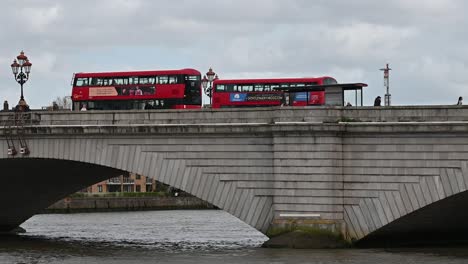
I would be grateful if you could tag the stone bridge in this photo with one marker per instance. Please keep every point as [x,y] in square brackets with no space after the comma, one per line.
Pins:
[365,172]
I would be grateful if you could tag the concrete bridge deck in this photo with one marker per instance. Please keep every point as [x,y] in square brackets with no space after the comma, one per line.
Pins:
[387,172]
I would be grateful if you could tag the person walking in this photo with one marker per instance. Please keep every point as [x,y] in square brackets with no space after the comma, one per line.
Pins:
[460,101]
[377,101]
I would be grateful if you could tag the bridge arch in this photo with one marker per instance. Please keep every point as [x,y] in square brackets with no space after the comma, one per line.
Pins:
[405,186]
[201,165]
[439,222]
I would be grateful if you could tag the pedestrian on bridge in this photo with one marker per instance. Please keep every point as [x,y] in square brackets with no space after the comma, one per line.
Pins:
[377,101]
[460,101]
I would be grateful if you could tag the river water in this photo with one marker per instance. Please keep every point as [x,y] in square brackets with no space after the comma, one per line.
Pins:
[198,236]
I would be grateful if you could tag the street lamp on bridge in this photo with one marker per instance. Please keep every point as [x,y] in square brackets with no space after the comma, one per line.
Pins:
[21,68]
[207,82]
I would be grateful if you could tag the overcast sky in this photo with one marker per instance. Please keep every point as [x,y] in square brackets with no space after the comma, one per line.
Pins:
[424,41]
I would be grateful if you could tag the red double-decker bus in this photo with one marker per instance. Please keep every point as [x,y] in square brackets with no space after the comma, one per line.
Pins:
[162,89]
[268,92]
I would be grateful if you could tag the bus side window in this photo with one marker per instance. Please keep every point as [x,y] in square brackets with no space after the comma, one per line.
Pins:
[219,88]
[172,79]
[133,80]
[82,82]
[163,79]
[118,81]
[144,80]
[247,88]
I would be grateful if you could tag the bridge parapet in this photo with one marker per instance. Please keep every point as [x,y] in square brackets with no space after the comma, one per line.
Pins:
[320,114]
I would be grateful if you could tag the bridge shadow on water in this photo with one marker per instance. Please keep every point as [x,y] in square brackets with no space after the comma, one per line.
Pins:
[444,223]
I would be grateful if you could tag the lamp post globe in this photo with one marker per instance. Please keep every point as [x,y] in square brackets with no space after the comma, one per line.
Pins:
[27,67]
[15,67]
[210,74]
[204,82]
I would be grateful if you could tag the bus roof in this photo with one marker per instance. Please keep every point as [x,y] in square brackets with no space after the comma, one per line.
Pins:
[137,73]
[270,80]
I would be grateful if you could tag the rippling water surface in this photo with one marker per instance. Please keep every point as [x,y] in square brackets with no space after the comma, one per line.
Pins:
[207,236]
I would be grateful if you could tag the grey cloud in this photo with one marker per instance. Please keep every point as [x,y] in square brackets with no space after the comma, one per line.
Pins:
[423,40]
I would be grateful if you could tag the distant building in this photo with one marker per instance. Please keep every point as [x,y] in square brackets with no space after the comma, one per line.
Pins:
[130,182]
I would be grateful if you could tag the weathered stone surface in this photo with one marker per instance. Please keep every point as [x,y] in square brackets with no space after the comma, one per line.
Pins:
[261,165]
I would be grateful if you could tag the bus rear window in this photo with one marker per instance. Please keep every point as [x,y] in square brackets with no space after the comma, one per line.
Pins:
[329,81]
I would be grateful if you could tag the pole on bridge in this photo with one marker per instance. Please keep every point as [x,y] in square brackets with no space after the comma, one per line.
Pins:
[386,71]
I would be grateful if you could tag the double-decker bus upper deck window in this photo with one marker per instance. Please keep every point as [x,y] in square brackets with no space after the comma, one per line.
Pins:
[119,81]
[133,80]
[144,80]
[107,81]
[163,79]
[191,79]
[220,88]
[229,87]
[81,82]
[147,80]
[96,81]
[172,79]
[247,88]
[266,88]
[258,87]
[273,86]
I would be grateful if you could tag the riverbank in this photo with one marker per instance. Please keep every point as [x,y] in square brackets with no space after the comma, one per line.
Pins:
[114,204]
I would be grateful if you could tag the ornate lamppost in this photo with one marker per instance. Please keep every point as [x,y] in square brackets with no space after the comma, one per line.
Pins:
[207,82]
[21,68]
